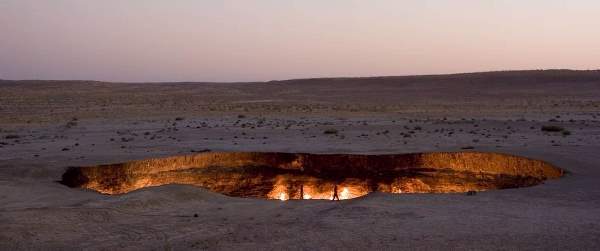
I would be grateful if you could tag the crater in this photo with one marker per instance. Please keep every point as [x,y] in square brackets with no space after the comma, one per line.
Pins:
[285,176]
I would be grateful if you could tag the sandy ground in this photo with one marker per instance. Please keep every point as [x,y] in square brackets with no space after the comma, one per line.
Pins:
[48,126]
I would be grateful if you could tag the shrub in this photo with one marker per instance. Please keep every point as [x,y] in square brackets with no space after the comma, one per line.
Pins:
[330,131]
[552,129]
[71,124]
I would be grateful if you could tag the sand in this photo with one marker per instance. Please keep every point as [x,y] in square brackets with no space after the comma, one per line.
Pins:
[46,127]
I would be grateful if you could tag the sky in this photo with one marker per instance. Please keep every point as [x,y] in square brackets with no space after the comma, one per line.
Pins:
[261,40]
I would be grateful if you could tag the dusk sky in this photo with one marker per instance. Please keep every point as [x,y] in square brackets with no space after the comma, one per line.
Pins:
[252,40]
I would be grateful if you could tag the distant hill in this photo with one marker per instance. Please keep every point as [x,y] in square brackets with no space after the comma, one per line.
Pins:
[529,76]
[487,93]
[522,76]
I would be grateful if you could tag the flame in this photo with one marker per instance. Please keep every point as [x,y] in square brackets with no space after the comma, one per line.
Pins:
[397,190]
[283,191]
[283,196]
[345,194]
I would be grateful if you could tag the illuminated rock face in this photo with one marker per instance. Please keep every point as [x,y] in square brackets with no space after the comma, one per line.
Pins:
[313,176]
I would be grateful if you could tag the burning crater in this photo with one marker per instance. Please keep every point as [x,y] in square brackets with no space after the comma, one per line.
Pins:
[314,176]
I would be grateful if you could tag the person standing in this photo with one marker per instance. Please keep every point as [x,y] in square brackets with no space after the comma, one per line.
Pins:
[335,193]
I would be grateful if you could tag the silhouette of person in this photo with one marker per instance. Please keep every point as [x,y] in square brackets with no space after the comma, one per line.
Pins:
[301,192]
[335,193]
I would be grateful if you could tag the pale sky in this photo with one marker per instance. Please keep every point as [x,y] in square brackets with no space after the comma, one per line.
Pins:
[257,40]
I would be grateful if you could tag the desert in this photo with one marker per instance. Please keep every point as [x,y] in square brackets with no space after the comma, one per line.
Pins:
[550,116]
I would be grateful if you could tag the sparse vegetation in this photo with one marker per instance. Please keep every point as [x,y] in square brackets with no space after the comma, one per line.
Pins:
[330,131]
[552,128]
[71,124]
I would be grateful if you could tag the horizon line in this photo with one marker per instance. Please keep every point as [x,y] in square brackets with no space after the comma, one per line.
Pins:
[307,78]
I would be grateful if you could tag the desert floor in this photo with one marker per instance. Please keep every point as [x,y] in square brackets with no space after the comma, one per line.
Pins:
[46,127]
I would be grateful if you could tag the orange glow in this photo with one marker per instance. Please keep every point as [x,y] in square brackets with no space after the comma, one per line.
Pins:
[283,196]
[286,188]
[345,194]
[285,176]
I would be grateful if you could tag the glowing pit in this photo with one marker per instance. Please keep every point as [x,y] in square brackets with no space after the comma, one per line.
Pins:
[289,176]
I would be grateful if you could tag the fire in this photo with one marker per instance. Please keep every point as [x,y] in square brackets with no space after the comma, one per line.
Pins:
[283,196]
[345,194]
[283,191]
